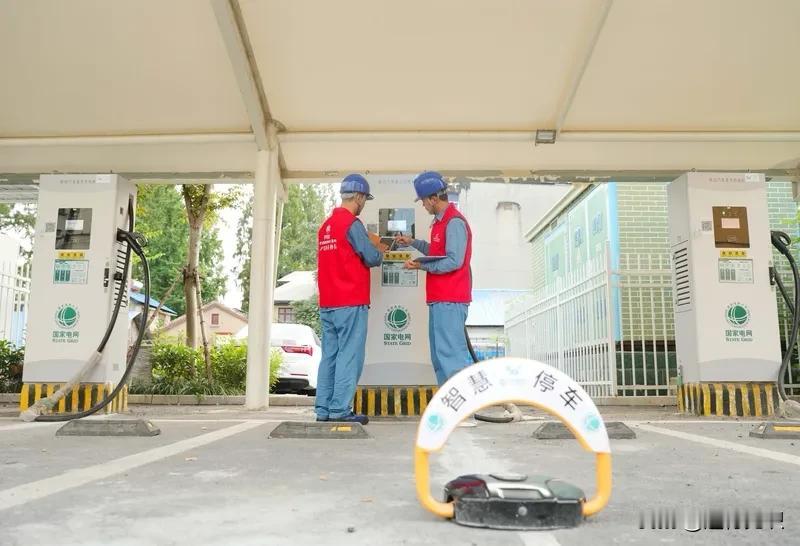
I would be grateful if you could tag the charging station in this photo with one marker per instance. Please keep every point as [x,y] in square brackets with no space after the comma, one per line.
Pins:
[397,352]
[724,297]
[78,274]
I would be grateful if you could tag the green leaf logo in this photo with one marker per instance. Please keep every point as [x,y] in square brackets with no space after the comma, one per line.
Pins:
[737,314]
[67,316]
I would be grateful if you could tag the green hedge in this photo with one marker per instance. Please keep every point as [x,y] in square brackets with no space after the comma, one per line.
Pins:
[11,360]
[178,369]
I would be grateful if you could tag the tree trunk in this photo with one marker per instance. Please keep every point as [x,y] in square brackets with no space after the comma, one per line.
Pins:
[164,298]
[196,199]
[206,352]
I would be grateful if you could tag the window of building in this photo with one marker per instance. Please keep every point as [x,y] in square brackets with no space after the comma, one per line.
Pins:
[578,237]
[554,262]
[214,319]
[597,223]
[285,314]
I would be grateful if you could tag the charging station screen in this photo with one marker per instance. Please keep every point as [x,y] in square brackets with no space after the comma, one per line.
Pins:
[393,222]
[397,225]
[74,229]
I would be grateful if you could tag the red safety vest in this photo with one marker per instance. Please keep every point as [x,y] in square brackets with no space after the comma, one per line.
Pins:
[342,277]
[455,286]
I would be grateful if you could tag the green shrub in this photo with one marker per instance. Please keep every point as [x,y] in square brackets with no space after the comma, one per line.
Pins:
[173,361]
[11,360]
[307,312]
[229,364]
[173,364]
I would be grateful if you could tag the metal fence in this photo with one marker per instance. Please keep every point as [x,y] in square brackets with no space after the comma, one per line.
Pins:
[646,361]
[15,285]
[569,326]
[625,348]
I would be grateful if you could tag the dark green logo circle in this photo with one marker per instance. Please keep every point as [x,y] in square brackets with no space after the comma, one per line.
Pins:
[397,318]
[737,314]
[67,316]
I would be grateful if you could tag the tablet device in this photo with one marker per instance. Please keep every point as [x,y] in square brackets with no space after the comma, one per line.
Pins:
[424,259]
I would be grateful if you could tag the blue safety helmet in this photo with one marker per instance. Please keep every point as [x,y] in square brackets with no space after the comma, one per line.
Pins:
[355,183]
[429,183]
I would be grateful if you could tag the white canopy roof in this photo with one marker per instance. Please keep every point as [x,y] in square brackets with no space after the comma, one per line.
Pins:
[188,88]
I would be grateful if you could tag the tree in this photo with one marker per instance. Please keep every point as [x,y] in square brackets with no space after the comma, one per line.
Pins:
[19,220]
[201,205]
[307,312]
[244,233]
[303,212]
[161,217]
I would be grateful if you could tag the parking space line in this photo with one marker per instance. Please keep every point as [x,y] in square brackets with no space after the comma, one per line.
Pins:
[537,538]
[724,444]
[74,478]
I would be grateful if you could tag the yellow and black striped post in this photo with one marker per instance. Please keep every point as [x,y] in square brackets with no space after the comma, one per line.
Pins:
[394,401]
[82,397]
[728,399]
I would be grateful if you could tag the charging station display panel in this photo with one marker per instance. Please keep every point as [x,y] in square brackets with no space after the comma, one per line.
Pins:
[398,221]
[74,229]
[730,227]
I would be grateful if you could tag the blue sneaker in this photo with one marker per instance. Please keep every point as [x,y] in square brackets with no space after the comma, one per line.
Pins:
[322,418]
[352,418]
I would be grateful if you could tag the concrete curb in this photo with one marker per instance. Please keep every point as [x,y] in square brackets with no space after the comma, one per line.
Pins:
[191,400]
[303,400]
[9,398]
[236,400]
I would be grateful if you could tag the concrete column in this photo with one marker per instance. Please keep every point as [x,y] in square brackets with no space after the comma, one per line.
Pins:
[262,278]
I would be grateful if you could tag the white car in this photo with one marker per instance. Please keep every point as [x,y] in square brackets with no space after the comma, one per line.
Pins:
[302,351]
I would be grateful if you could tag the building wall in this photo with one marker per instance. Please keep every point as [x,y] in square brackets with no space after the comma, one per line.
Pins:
[539,280]
[642,217]
[228,325]
[500,253]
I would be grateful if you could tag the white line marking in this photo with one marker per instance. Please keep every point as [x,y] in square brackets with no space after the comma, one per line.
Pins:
[537,538]
[749,450]
[261,421]
[691,421]
[74,478]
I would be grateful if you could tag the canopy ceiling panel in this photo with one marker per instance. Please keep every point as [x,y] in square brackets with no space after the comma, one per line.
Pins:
[387,65]
[688,65]
[89,67]
[385,86]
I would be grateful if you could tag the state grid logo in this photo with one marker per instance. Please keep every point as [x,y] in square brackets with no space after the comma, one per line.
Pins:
[737,314]
[397,318]
[67,316]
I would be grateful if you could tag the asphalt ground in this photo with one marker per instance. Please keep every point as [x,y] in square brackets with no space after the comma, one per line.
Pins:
[214,477]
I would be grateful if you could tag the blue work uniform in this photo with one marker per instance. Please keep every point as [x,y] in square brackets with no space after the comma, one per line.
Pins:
[344,336]
[446,321]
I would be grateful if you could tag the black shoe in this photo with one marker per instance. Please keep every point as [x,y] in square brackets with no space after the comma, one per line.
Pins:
[322,418]
[352,418]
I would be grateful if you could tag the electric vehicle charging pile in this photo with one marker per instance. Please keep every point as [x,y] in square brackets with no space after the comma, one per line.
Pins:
[500,501]
[83,246]
[724,286]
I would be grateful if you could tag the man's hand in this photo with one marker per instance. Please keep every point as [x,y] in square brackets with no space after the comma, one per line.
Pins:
[382,247]
[411,264]
[403,240]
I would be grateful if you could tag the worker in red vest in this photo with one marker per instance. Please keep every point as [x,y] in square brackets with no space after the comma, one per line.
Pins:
[449,280]
[344,256]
